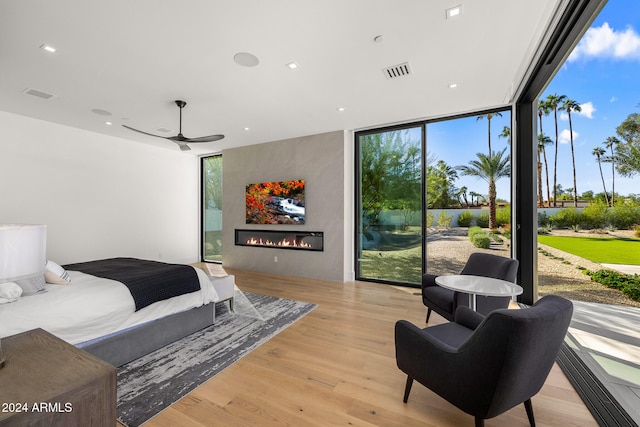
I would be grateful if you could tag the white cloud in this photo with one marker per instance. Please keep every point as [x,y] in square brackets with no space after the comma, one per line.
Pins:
[605,42]
[613,99]
[587,110]
[565,136]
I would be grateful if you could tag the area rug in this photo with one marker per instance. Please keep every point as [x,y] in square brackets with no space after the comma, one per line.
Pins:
[152,383]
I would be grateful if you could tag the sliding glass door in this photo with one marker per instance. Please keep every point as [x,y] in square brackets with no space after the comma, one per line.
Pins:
[389,205]
[211,171]
[420,189]
[468,188]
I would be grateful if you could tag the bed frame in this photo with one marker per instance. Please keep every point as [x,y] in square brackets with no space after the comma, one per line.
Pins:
[130,344]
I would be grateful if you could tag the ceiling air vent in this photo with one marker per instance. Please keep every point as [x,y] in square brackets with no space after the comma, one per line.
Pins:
[396,71]
[38,93]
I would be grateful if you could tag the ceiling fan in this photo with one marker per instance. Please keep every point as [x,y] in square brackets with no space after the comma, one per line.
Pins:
[180,139]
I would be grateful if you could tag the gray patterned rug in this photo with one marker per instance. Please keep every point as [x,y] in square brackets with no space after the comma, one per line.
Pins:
[152,383]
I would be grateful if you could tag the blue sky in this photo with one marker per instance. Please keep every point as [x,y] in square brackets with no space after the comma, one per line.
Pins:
[602,74]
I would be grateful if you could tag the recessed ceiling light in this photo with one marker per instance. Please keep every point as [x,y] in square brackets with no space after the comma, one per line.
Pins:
[292,65]
[341,109]
[246,128]
[453,85]
[48,48]
[246,59]
[454,11]
[108,123]
[378,39]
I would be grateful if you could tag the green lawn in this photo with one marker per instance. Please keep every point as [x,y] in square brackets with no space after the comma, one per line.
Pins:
[601,250]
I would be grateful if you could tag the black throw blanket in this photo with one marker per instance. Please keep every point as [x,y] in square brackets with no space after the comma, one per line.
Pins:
[148,281]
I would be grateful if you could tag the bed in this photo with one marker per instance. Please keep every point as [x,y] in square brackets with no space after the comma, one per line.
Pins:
[103,316]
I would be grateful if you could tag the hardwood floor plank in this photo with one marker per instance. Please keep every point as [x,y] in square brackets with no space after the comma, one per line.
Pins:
[337,366]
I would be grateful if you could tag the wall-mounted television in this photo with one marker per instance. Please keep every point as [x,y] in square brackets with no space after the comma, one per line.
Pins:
[275,202]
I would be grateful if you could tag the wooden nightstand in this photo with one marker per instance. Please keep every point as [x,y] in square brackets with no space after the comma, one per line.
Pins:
[48,382]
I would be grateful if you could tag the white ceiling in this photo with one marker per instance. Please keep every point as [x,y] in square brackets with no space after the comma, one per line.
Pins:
[134,57]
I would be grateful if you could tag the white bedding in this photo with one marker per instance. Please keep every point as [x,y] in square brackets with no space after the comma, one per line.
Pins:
[91,307]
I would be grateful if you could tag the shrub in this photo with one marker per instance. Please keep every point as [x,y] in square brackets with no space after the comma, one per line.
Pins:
[594,216]
[430,219]
[481,240]
[567,218]
[543,219]
[444,220]
[623,217]
[503,216]
[496,238]
[465,219]
[636,231]
[629,284]
[473,231]
[482,220]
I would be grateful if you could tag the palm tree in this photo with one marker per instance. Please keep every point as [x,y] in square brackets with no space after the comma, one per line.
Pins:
[476,195]
[543,140]
[489,168]
[489,117]
[463,192]
[554,100]
[506,133]
[598,152]
[609,143]
[570,105]
[544,109]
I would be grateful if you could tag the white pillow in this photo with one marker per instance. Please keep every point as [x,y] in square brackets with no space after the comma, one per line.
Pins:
[55,274]
[32,285]
[9,292]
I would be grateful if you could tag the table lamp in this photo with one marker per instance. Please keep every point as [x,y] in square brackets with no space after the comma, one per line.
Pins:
[23,258]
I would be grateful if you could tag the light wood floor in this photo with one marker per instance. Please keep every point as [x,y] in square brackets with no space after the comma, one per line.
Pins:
[336,366]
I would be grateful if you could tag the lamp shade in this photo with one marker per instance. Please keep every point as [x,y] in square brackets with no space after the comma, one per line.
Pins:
[22,252]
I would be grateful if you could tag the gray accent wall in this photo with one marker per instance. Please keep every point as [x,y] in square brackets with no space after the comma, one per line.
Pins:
[325,162]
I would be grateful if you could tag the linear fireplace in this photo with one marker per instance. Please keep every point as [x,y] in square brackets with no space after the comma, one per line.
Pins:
[300,240]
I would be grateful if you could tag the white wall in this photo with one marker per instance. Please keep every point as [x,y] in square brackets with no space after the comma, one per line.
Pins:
[325,162]
[99,196]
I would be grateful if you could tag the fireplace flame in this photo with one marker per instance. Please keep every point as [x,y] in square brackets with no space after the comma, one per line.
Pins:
[282,243]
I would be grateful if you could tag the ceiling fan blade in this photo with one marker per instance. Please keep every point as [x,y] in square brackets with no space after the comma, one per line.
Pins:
[142,132]
[178,138]
[209,138]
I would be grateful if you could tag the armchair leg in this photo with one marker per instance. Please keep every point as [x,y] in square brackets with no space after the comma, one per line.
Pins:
[479,422]
[407,389]
[428,315]
[529,407]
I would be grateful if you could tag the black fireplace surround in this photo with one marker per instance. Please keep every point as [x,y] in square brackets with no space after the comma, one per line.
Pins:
[281,239]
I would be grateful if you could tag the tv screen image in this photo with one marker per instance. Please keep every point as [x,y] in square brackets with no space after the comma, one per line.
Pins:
[275,202]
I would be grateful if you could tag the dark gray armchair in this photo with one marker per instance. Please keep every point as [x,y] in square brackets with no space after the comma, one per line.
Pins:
[486,366]
[445,301]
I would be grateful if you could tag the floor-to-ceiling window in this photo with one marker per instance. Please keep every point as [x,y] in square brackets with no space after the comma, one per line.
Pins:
[468,188]
[588,206]
[421,188]
[389,204]
[211,171]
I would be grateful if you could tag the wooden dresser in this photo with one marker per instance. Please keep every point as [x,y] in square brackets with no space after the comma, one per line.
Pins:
[48,382]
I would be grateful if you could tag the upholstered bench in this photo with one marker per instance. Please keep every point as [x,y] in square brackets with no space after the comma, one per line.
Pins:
[223,283]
